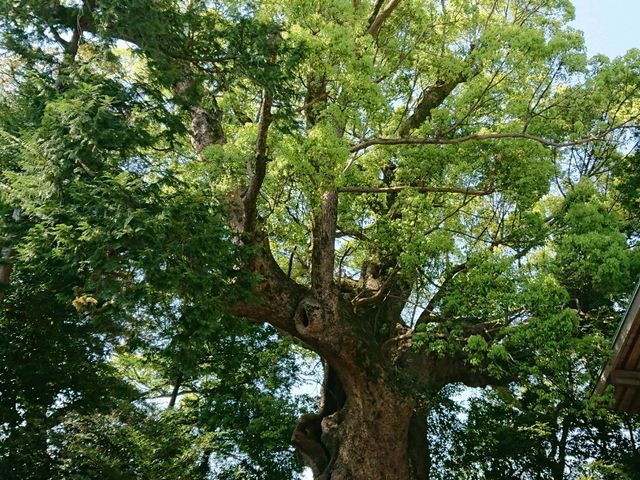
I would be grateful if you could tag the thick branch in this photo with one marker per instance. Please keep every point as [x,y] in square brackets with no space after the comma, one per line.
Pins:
[382,291]
[275,297]
[419,455]
[306,437]
[175,392]
[250,197]
[379,20]
[5,270]
[425,316]
[430,98]
[376,8]
[434,96]
[324,235]
[72,46]
[315,99]
[206,127]
[426,369]
[487,329]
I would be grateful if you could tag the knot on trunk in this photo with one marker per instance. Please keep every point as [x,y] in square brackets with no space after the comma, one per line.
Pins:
[309,318]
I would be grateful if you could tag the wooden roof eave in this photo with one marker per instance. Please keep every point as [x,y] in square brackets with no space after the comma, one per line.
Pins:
[623,368]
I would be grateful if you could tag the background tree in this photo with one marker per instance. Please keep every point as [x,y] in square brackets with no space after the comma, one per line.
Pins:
[415,190]
[115,270]
[548,424]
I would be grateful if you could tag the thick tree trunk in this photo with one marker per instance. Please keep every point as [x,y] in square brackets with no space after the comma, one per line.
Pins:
[372,434]
[363,432]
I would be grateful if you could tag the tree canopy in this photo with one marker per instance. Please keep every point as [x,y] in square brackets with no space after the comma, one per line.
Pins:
[198,198]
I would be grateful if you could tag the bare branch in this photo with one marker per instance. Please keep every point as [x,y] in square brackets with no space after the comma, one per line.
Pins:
[417,188]
[482,137]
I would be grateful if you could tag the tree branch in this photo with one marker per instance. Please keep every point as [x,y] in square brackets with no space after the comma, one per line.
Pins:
[5,270]
[433,96]
[249,199]
[206,127]
[425,316]
[376,8]
[175,392]
[430,98]
[482,137]
[428,369]
[274,297]
[341,232]
[417,188]
[384,288]
[63,43]
[323,249]
[379,19]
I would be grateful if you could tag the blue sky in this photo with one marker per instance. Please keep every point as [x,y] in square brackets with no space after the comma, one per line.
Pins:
[610,27]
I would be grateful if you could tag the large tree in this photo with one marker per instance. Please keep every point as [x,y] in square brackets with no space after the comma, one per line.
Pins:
[419,191]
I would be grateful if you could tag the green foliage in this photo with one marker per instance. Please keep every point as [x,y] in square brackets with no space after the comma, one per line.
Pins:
[593,257]
[130,443]
[514,221]
[121,264]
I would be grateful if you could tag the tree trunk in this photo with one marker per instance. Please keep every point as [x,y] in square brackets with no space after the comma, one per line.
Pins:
[559,465]
[372,437]
[363,431]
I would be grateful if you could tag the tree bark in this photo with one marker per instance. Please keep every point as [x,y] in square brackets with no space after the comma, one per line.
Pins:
[363,431]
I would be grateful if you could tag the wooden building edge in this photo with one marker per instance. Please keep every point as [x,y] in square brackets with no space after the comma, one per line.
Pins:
[623,368]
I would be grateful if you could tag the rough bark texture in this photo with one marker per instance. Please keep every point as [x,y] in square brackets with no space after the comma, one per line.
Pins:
[363,430]
[372,435]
